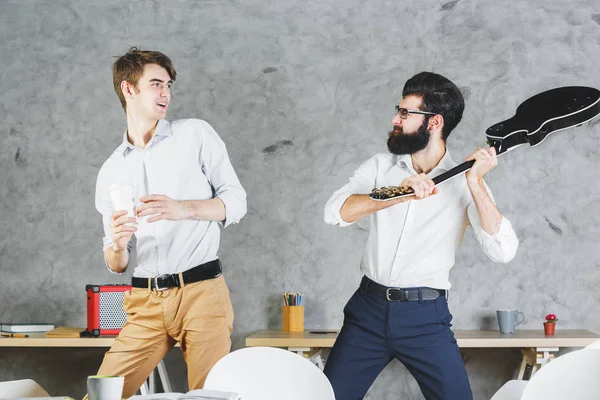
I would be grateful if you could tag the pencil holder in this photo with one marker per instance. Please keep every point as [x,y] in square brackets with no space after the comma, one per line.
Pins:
[292,318]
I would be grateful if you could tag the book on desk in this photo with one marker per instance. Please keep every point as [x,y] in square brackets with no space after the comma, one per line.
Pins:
[65,332]
[26,328]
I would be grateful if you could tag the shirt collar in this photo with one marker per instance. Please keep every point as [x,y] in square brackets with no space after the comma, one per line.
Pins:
[163,128]
[404,160]
[445,164]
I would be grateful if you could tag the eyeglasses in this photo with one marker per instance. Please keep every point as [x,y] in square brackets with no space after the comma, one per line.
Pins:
[403,112]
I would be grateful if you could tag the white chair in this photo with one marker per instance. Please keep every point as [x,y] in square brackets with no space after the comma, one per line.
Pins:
[267,373]
[574,375]
[511,390]
[21,388]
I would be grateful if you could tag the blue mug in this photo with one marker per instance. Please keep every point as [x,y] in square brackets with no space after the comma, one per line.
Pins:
[509,319]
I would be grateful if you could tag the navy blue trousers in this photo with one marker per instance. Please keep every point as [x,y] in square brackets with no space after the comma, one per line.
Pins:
[416,333]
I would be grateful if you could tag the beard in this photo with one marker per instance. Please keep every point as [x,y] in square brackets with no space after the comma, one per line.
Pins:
[400,143]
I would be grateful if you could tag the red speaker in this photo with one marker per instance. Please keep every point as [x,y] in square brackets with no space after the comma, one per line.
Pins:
[105,314]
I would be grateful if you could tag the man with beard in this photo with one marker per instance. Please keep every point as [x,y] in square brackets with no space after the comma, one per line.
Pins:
[400,309]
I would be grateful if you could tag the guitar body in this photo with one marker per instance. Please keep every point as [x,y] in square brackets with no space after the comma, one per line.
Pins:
[544,113]
[547,112]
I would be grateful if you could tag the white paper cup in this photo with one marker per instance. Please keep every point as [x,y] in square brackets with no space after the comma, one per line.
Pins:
[122,198]
[105,387]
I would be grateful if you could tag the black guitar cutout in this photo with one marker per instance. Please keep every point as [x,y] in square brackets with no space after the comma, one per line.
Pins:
[537,117]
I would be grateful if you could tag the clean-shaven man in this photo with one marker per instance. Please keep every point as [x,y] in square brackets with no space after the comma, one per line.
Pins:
[186,188]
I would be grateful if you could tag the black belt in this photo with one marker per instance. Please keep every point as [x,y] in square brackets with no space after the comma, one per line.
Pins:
[202,272]
[401,294]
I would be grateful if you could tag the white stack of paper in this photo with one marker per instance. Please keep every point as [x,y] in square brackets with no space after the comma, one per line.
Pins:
[19,328]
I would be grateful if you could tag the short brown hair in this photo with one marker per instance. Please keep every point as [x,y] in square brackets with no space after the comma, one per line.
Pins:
[130,67]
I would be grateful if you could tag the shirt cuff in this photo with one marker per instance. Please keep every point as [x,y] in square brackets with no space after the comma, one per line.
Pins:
[505,226]
[108,243]
[332,212]
[235,208]
[502,245]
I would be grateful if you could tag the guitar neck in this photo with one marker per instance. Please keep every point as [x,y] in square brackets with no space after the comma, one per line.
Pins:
[388,193]
[392,192]
[459,169]
[464,167]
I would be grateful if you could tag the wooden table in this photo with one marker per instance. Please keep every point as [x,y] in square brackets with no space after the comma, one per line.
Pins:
[537,349]
[40,340]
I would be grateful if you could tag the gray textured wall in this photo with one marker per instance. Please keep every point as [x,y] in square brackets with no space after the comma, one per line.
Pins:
[302,93]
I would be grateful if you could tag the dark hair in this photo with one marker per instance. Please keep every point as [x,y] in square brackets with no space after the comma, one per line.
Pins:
[439,95]
[130,67]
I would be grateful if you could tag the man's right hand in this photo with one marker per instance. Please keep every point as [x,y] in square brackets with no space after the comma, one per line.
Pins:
[421,184]
[121,233]
[358,206]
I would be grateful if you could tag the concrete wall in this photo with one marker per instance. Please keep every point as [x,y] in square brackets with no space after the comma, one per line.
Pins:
[301,92]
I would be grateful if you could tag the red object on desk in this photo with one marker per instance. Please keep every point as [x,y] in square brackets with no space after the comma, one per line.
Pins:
[105,314]
[549,328]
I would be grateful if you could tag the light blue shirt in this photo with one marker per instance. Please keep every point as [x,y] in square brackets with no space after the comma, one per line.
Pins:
[414,243]
[185,160]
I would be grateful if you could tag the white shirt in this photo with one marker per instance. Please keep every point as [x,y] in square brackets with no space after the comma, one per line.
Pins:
[414,243]
[185,160]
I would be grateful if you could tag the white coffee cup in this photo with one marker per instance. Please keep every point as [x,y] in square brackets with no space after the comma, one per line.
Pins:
[105,387]
[122,198]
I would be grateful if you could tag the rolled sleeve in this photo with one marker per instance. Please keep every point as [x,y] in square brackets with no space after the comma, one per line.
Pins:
[362,182]
[235,206]
[221,175]
[502,245]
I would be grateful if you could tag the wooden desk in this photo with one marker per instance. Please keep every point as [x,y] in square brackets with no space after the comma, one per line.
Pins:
[40,340]
[537,348]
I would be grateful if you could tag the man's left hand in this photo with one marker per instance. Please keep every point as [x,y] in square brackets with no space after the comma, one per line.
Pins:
[161,207]
[485,160]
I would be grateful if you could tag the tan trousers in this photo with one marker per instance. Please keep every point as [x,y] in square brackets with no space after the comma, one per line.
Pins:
[198,316]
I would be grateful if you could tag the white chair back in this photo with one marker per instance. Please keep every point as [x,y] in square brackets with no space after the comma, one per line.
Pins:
[21,388]
[574,375]
[511,390]
[267,373]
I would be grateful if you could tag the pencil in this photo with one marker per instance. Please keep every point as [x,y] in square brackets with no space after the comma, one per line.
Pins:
[14,335]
